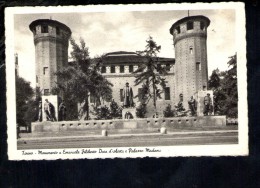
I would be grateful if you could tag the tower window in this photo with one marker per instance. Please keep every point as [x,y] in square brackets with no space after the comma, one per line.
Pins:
[45,70]
[168,67]
[46,91]
[167,95]
[191,50]
[198,66]
[103,69]
[57,31]
[178,29]
[44,29]
[121,95]
[189,25]
[113,69]
[122,69]
[131,68]
[202,25]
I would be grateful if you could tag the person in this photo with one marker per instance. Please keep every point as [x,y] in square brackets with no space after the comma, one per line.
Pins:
[192,105]
[62,111]
[207,105]
[128,96]
[40,111]
[47,110]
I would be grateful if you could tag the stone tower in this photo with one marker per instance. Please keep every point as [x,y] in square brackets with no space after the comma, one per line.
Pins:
[191,68]
[51,40]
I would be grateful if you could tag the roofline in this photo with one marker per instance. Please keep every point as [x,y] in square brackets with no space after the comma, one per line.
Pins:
[36,22]
[189,18]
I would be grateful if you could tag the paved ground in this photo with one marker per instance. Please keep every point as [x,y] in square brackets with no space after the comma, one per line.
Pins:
[192,136]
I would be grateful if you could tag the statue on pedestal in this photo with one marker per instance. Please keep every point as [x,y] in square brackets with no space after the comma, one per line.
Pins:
[207,105]
[192,105]
[128,96]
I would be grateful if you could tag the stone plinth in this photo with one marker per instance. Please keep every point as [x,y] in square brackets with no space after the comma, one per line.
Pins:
[53,99]
[200,101]
[129,124]
[131,115]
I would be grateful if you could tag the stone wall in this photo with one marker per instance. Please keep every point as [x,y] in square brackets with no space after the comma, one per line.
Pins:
[145,123]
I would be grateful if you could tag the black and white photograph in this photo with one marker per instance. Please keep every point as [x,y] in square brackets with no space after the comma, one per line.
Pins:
[107,81]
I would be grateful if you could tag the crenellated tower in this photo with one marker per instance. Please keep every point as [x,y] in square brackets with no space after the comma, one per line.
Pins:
[51,40]
[191,67]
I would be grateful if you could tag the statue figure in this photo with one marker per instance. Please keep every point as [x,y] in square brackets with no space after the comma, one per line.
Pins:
[49,110]
[192,105]
[207,105]
[179,107]
[128,96]
[62,111]
[40,111]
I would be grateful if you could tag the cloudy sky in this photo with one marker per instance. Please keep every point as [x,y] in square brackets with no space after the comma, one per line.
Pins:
[127,31]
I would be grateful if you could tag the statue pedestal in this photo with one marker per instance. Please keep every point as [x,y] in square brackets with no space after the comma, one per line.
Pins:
[129,113]
[200,101]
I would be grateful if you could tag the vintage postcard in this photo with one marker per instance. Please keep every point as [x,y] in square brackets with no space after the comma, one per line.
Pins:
[126,81]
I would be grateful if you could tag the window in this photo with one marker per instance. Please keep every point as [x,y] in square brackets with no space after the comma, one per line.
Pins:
[168,67]
[198,66]
[178,29]
[202,25]
[45,70]
[167,93]
[46,91]
[103,69]
[113,69]
[131,68]
[57,31]
[121,95]
[122,69]
[189,25]
[191,50]
[44,29]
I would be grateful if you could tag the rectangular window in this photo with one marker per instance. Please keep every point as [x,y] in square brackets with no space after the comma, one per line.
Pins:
[46,91]
[45,70]
[198,66]
[44,29]
[189,25]
[168,67]
[167,95]
[178,29]
[202,25]
[191,50]
[121,95]
[103,69]
[122,69]
[113,69]
[131,68]
[57,31]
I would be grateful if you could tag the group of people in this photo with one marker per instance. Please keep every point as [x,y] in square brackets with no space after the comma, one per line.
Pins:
[207,110]
[49,111]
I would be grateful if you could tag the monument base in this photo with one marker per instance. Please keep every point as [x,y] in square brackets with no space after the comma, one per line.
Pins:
[129,113]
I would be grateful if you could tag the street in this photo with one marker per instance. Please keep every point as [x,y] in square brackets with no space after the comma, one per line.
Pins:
[133,140]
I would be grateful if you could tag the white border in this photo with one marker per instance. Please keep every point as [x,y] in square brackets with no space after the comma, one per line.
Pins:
[166,151]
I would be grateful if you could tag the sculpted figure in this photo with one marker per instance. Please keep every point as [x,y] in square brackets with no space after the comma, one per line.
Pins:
[207,105]
[192,105]
[128,96]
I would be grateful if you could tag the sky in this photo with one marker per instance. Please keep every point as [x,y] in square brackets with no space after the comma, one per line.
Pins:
[106,32]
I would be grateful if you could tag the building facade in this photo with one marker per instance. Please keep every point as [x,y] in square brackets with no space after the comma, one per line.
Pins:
[51,40]
[190,43]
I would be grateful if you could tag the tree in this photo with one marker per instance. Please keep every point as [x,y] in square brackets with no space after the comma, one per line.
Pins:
[150,73]
[24,94]
[224,86]
[81,79]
